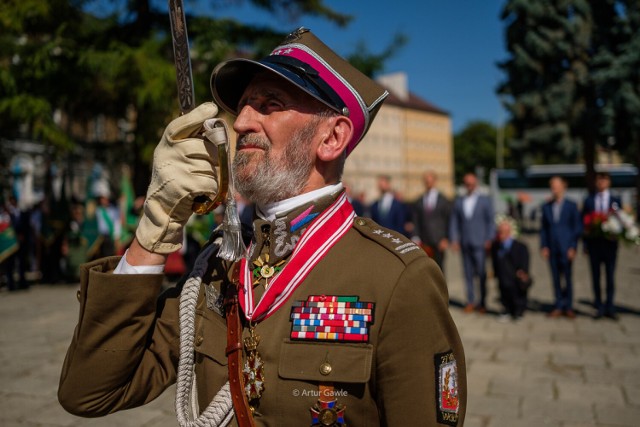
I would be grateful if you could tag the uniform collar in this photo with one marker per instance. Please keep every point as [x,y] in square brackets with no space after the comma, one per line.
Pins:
[290,218]
[271,211]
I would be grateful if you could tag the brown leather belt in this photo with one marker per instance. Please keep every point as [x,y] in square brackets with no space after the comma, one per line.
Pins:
[234,355]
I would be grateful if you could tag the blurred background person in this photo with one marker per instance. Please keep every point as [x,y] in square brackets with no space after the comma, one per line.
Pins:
[108,217]
[430,216]
[471,231]
[8,248]
[600,249]
[388,211]
[245,210]
[510,259]
[358,207]
[21,223]
[559,233]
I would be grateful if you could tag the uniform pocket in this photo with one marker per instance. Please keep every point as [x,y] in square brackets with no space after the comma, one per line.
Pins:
[211,336]
[319,361]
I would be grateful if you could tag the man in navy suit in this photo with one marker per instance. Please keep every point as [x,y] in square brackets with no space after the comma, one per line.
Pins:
[471,231]
[602,250]
[559,234]
[388,211]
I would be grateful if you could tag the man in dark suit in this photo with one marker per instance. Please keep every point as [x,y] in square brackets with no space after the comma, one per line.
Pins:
[559,234]
[511,267]
[388,211]
[430,214]
[358,207]
[602,250]
[471,231]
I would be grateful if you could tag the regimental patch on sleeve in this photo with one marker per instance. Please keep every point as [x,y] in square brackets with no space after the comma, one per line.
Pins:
[331,318]
[447,401]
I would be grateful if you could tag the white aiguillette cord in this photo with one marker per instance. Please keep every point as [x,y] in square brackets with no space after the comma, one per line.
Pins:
[230,247]
[220,411]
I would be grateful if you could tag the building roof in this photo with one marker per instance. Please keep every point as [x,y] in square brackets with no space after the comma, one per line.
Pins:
[414,102]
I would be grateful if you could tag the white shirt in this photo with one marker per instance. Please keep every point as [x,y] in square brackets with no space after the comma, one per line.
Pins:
[556,208]
[430,199]
[602,201]
[268,212]
[469,204]
[385,203]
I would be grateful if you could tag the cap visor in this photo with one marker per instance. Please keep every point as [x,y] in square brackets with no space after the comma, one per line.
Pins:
[230,79]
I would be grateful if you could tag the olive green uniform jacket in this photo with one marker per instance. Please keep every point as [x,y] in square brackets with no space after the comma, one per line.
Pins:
[124,350]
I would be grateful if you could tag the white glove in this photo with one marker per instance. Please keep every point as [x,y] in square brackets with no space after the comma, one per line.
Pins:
[184,166]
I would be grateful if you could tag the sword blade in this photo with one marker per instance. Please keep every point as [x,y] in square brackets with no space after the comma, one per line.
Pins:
[184,78]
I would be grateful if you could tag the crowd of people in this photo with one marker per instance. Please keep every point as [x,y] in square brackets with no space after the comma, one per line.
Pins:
[52,246]
[469,225]
[48,242]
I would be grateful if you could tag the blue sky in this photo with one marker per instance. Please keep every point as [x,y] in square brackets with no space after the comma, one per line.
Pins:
[450,57]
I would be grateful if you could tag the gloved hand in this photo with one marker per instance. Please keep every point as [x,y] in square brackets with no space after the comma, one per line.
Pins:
[184,165]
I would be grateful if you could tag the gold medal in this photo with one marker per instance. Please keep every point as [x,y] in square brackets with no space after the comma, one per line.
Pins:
[264,271]
[253,371]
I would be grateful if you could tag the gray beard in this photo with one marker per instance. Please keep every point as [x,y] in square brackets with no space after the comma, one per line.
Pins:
[272,178]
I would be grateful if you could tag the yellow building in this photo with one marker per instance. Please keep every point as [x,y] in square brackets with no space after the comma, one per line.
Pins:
[408,137]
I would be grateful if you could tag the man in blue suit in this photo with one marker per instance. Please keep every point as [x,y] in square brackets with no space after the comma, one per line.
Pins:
[471,231]
[602,250]
[559,234]
[388,211]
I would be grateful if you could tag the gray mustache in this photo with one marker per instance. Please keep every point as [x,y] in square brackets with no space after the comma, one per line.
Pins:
[253,139]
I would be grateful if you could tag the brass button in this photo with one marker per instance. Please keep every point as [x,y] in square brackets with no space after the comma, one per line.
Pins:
[78,294]
[199,340]
[360,221]
[325,368]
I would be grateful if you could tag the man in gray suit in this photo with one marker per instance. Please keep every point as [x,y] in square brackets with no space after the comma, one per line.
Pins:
[430,215]
[471,231]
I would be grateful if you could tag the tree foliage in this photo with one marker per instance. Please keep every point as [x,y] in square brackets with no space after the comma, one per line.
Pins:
[475,148]
[572,78]
[59,60]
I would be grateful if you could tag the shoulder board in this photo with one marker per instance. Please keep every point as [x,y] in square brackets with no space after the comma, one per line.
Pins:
[391,240]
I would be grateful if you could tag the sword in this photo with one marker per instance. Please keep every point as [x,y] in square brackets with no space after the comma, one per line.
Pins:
[232,247]
[186,97]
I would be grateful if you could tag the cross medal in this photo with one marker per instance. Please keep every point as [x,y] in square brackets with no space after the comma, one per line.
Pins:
[253,371]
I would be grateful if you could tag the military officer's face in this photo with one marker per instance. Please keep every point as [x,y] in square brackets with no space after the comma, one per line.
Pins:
[277,128]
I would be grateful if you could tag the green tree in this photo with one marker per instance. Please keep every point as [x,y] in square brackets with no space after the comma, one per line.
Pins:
[572,80]
[474,148]
[56,57]
[546,43]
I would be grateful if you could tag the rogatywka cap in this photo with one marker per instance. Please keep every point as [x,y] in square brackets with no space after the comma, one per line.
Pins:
[305,61]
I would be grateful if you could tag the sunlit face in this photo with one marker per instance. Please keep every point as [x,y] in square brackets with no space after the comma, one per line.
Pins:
[557,187]
[277,126]
[429,179]
[470,182]
[503,231]
[384,185]
[602,183]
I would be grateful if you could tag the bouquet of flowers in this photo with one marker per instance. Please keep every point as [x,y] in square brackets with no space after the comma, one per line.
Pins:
[614,225]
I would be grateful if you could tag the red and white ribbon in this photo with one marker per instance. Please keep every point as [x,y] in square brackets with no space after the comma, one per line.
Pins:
[327,229]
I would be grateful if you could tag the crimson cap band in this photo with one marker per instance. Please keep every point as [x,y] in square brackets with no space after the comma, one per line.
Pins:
[308,63]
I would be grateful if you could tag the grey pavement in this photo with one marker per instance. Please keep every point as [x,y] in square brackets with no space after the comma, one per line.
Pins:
[535,372]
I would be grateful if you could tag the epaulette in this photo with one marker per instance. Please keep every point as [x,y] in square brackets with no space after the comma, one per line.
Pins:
[394,242]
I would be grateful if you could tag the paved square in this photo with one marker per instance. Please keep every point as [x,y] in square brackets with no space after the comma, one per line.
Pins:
[535,372]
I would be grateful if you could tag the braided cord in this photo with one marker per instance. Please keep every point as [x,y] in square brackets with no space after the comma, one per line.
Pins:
[220,411]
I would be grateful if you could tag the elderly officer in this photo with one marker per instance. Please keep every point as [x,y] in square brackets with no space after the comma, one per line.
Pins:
[342,322]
